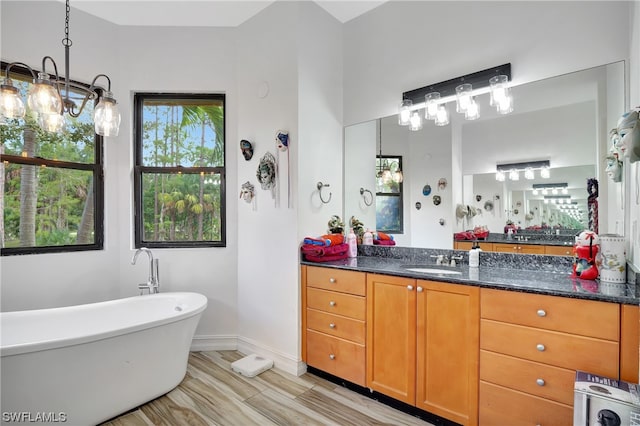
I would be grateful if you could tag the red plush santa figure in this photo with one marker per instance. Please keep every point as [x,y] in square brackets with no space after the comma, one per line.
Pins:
[585,250]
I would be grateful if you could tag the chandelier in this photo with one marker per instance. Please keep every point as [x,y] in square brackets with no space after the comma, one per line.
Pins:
[50,96]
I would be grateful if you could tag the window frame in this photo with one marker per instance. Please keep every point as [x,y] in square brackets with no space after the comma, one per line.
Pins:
[97,168]
[399,194]
[140,169]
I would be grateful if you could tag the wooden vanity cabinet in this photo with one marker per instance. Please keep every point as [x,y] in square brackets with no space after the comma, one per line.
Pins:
[530,348]
[558,250]
[518,248]
[422,344]
[466,245]
[333,321]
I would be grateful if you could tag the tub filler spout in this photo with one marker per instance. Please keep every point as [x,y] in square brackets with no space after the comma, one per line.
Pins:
[153,282]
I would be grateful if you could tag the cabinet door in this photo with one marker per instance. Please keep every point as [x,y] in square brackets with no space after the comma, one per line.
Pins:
[391,336]
[629,343]
[505,248]
[530,249]
[448,341]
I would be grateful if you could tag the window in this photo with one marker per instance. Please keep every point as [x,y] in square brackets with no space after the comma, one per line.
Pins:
[51,183]
[389,196]
[179,177]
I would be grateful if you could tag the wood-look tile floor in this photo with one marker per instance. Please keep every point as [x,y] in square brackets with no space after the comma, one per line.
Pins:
[212,394]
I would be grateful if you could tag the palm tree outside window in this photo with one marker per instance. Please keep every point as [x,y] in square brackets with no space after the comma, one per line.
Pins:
[179,176]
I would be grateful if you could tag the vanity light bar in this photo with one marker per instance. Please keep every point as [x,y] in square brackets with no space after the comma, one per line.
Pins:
[523,166]
[479,80]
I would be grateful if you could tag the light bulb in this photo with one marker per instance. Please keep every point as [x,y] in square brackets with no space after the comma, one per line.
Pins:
[500,95]
[554,191]
[431,102]
[44,97]
[544,172]
[500,177]
[415,123]
[472,112]
[442,116]
[535,192]
[514,175]
[106,116]
[528,173]
[52,123]
[404,116]
[565,191]
[11,106]
[463,95]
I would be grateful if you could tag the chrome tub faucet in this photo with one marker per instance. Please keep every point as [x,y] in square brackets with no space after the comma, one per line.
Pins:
[153,282]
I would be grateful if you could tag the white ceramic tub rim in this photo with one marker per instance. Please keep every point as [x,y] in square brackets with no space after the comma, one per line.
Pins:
[186,305]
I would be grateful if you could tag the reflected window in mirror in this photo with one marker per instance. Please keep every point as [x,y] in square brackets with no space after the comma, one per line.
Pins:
[389,178]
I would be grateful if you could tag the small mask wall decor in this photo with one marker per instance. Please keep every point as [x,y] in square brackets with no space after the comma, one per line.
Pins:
[247,191]
[426,190]
[478,198]
[266,173]
[418,205]
[247,149]
[437,200]
[442,184]
[282,140]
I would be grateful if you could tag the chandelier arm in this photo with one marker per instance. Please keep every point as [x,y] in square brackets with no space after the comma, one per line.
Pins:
[55,69]
[93,83]
[20,64]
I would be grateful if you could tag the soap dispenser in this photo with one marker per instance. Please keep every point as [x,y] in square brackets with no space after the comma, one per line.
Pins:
[352,242]
[474,255]
[367,238]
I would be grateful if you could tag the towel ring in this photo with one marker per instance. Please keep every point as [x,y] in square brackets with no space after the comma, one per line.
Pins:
[363,192]
[321,185]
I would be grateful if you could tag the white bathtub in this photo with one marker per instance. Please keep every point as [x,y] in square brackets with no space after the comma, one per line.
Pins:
[85,364]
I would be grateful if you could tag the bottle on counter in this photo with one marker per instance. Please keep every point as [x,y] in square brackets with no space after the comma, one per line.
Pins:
[352,242]
[367,238]
[474,255]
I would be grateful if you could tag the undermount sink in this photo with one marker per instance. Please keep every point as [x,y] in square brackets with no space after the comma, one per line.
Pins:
[430,270]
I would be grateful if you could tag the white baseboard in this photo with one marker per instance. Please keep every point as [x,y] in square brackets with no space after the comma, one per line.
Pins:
[214,343]
[281,361]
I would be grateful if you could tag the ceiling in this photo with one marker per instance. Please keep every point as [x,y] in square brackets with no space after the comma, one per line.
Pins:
[204,13]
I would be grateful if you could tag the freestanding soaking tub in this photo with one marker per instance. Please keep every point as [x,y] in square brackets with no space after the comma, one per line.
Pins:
[85,364]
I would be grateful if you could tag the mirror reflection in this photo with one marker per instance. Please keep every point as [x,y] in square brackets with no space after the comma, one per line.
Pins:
[563,120]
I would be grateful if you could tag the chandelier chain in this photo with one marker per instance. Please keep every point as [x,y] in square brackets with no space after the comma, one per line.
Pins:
[66,41]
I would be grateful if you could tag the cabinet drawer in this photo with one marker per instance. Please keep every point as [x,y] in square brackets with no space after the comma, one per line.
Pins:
[558,250]
[550,347]
[575,316]
[538,379]
[337,303]
[500,406]
[336,280]
[336,325]
[336,356]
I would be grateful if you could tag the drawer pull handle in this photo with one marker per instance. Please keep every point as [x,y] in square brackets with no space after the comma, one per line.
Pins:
[332,303]
[419,289]
[542,313]
[409,287]
[332,325]
[540,347]
[332,356]
[332,280]
[540,382]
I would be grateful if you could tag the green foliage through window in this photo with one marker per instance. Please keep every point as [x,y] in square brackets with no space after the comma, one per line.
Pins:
[179,174]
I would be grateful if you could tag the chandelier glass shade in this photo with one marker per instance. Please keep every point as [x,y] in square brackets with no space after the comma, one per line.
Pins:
[50,96]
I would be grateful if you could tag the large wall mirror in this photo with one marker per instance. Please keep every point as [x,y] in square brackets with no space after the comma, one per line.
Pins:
[564,120]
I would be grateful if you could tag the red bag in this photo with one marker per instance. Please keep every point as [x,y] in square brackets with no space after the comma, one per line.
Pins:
[314,253]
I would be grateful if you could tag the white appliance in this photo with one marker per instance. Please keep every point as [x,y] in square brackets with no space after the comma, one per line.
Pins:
[602,401]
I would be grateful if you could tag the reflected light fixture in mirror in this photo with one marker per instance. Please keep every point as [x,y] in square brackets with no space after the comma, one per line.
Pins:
[555,188]
[383,169]
[415,123]
[514,169]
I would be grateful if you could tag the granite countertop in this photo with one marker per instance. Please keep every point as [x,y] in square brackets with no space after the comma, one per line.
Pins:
[550,281]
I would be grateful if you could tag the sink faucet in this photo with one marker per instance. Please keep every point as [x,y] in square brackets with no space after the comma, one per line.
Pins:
[153,283]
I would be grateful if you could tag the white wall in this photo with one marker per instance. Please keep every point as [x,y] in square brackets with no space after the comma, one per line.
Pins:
[187,60]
